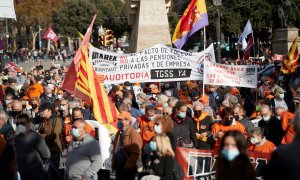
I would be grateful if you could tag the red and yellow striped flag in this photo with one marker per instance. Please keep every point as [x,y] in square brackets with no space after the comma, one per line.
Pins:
[290,62]
[82,81]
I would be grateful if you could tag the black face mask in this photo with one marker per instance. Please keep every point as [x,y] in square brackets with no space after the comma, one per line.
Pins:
[237,117]
[34,106]
[24,106]
[15,113]
[227,122]
[197,114]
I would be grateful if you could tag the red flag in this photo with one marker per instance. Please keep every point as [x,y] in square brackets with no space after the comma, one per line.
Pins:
[82,81]
[278,57]
[248,48]
[50,35]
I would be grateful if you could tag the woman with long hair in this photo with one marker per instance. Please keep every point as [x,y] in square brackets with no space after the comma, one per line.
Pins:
[233,161]
[162,161]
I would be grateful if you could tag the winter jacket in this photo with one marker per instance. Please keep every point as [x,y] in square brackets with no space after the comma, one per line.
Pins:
[131,148]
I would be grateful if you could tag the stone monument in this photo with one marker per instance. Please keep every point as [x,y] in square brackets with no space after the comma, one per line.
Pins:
[149,22]
[284,36]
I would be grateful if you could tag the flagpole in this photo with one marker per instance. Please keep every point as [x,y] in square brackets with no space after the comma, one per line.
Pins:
[253,44]
[204,40]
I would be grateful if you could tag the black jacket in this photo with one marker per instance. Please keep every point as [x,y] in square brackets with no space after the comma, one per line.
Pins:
[285,162]
[204,126]
[162,166]
[184,132]
[272,130]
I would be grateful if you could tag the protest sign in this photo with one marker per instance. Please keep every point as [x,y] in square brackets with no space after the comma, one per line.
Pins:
[156,64]
[201,164]
[230,75]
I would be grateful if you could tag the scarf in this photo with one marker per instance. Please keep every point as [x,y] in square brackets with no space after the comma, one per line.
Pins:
[198,120]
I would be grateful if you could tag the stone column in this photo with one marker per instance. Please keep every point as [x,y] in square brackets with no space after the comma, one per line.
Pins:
[149,22]
[283,39]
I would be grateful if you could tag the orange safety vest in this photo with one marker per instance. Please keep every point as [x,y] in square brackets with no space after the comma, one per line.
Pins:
[267,147]
[146,129]
[217,127]
[288,127]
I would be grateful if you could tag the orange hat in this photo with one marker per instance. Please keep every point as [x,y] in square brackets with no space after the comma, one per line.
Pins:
[124,115]
[25,97]
[204,99]
[234,91]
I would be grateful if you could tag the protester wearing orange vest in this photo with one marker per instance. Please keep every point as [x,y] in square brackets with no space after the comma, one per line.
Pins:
[146,124]
[35,89]
[228,123]
[258,143]
[288,127]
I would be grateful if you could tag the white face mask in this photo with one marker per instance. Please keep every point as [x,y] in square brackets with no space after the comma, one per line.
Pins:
[128,88]
[70,111]
[20,129]
[49,95]
[8,101]
[157,129]
[254,140]
[266,118]
[278,117]
[59,96]
[63,107]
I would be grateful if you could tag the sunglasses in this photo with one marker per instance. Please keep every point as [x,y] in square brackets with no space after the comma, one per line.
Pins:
[21,123]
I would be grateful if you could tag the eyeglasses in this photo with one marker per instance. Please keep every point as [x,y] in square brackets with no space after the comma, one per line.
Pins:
[21,123]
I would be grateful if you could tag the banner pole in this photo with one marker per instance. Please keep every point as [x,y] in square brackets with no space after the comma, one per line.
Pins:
[204,40]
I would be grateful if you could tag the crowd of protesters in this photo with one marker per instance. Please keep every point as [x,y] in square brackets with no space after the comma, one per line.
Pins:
[38,120]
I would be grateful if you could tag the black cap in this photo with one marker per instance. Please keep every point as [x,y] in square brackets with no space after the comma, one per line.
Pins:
[127,83]
[45,106]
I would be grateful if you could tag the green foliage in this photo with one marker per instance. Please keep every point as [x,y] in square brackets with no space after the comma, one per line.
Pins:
[75,16]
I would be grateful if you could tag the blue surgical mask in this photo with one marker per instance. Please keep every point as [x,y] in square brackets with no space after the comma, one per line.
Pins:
[138,102]
[143,111]
[281,96]
[75,133]
[181,115]
[120,125]
[153,146]
[230,154]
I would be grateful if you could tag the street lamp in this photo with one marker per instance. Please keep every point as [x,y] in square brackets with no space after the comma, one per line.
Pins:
[218,3]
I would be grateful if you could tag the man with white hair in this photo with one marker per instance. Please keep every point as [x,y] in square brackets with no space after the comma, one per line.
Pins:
[5,128]
[270,125]
[285,160]
[133,111]
[48,96]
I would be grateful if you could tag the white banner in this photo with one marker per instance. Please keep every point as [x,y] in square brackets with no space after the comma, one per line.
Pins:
[7,9]
[156,64]
[230,75]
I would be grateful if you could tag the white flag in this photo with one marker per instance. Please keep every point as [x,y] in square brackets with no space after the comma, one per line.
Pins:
[7,9]
[247,30]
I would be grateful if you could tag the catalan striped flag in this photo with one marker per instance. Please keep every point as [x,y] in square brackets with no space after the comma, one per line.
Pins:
[193,19]
[290,62]
[82,81]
